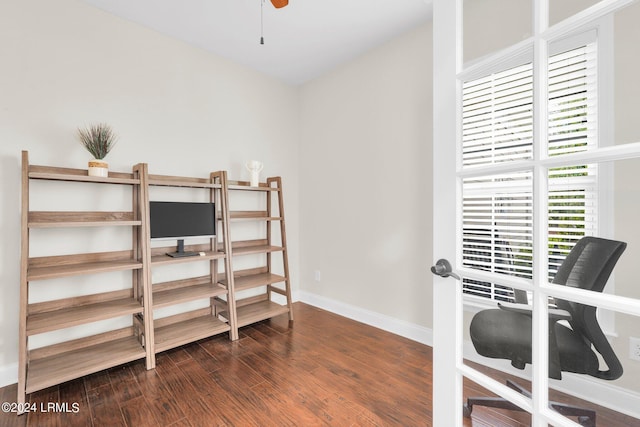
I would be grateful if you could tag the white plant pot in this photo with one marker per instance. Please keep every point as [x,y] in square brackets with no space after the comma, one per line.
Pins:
[98,168]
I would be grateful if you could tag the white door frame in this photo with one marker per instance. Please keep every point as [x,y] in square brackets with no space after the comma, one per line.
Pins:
[448,74]
[447,294]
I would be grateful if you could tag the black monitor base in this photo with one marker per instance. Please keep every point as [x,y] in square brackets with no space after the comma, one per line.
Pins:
[181,252]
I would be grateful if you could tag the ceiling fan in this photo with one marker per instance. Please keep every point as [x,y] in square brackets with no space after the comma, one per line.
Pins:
[279,3]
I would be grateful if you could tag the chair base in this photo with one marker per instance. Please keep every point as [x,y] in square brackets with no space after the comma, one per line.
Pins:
[586,417]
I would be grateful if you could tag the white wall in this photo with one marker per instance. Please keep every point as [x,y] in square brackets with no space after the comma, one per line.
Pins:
[365,179]
[180,109]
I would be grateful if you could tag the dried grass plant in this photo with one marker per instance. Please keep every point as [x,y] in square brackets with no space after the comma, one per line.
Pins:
[98,139]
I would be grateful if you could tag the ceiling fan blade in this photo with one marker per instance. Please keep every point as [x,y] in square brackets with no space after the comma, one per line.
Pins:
[279,3]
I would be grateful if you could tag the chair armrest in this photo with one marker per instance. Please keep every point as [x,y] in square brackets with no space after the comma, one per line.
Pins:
[555,314]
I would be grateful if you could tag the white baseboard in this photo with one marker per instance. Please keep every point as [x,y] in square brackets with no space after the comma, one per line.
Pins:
[597,391]
[8,374]
[405,329]
[600,392]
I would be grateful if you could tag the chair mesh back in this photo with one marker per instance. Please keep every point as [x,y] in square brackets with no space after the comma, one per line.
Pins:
[588,266]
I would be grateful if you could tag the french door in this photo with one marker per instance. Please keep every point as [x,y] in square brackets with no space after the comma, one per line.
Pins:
[557,158]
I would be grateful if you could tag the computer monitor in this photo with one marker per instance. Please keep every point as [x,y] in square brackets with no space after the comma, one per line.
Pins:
[179,220]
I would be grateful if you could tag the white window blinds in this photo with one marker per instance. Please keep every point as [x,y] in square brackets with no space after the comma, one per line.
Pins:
[497,117]
[497,120]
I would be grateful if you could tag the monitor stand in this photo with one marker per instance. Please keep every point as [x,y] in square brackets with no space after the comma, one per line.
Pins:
[180,252]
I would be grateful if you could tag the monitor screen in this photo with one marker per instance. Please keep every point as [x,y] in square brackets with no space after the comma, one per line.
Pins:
[182,219]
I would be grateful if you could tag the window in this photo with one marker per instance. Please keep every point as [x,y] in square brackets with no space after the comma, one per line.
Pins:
[497,120]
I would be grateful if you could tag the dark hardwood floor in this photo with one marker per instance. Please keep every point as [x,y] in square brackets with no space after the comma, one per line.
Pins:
[321,370]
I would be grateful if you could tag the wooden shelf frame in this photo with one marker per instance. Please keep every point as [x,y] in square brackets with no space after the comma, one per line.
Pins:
[42,367]
[46,366]
[183,328]
[261,307]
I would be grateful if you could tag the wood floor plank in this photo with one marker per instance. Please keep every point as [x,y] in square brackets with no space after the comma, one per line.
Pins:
[74,392]
[11,419]
[149,382]
[321,370]
[137,412]
[176,383]
[124,383]
[165,410]
[105,410]
[180,423]
[96,380]
[275,397]
[206,360]
[40,415]
[199,378]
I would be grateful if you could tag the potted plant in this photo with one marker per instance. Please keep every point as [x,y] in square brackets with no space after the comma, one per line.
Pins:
[98,139]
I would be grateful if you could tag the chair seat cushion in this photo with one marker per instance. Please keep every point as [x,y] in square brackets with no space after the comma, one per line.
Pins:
[502,334]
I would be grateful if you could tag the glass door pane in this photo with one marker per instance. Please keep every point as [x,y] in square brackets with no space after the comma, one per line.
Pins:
[562,9]
[486,30]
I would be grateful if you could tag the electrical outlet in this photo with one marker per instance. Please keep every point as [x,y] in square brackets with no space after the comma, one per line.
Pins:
[634,348]
[316,275]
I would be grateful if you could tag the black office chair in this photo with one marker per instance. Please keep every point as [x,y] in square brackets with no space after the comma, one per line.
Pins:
[505,333]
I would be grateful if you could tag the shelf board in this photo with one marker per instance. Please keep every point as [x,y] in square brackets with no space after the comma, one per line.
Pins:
[181,181]
[186,293]
[247,187]
[79,175]
[254,280]
[257,249]
[180,333]
[166,259]
[49,371]
[257,311]
[45,219]
[73,269]
[72,316]
[251,216]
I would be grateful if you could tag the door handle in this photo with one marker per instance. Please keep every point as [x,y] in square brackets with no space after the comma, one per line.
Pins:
[443,269]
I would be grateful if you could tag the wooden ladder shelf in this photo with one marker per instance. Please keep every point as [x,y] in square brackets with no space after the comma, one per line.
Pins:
[266,282]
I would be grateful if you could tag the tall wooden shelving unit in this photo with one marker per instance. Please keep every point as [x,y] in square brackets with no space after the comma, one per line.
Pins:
[262,278]
[43,367]
[183,328]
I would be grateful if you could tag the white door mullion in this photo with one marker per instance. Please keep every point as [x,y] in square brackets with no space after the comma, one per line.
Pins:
[539,332]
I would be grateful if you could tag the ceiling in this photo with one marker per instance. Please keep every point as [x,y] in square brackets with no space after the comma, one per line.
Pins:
[301,41]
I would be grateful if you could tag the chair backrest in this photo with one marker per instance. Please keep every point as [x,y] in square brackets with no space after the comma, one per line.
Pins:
[588,266]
